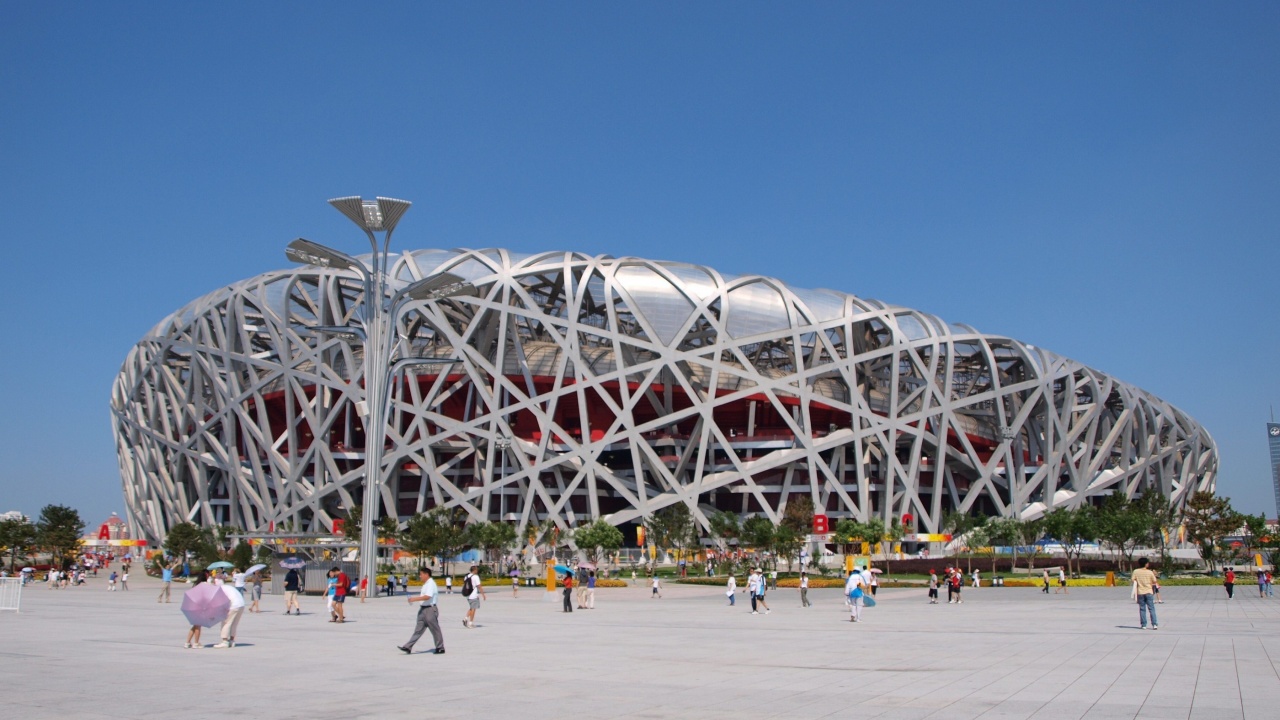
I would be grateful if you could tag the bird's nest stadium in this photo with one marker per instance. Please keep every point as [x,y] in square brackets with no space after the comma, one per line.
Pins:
[599,387]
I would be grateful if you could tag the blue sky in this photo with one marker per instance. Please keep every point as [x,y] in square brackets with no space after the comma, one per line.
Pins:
[1100,179]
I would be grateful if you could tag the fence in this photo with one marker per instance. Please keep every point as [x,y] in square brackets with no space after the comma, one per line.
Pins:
[10,594]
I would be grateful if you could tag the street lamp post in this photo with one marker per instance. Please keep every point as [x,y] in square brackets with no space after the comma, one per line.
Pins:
[376,332]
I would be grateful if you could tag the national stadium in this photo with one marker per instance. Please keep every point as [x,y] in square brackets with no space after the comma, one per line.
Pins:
[573,387]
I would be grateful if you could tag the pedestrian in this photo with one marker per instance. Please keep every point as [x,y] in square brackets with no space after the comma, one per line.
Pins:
[330,588]
[1269,593]
[731,588]
[292,583]
[976,581]
[193,635]
[946,580]
[166,579]
[340,590]
[1062,581]
[1045,580]
[582,592]
[124,580]
[515,584]
[111,581]
[238,580]
[1155,589]
[232,621]
[591,590]
[391,585]
[1229,582]
[761,587]
[404,584]
[957,584]
[474,590]
[568,592]
[448,584]
[874,583]
[428,614]
[255,593]
[1262,584]
[657,587]
[773,578]
[364,589]
[933,587]
[1144,594]
[853,592]
[804,591]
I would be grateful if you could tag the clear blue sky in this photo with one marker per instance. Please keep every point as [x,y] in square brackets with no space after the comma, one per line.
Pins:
[1100,179]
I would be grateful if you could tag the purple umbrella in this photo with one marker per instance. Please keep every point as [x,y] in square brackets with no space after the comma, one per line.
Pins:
[205,605]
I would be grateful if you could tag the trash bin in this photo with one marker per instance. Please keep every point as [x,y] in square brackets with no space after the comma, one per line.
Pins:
[530,582]
[997,581]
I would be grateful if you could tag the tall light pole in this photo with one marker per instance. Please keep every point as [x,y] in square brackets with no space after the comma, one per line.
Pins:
[376,332]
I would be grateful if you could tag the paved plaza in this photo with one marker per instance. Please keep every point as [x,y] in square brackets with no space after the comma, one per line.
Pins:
[1004,653]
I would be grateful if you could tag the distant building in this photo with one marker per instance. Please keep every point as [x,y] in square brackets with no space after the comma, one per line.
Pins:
[1273,442]
[591,387]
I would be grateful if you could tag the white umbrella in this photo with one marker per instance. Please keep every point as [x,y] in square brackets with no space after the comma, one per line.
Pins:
[254,569]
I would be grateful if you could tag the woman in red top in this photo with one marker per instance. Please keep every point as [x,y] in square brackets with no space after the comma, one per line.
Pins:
[568,592]
[1229,582]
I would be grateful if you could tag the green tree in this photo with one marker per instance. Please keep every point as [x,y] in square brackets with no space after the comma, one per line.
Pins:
[1255,528]
[242,555]
[1123,524]
[58,531]
[18,536]
[1002,531]
[597,540]
[184,538]
[876,531]
[759,533]
[421,536]
[1029,533]
[1072,528]
[353,526]
[725,526]
[494,538]
[672,527]
[893,534]
[787,543]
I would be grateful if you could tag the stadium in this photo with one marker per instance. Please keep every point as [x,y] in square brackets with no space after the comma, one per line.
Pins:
[585,387]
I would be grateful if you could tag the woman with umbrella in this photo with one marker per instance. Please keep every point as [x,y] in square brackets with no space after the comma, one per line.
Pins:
[193,635]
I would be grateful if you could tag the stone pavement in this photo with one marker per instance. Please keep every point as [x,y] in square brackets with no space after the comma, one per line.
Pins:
[1004,653]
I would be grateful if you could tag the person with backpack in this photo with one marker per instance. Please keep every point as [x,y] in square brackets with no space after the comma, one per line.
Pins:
[473,590]
[853,591]
[292,584]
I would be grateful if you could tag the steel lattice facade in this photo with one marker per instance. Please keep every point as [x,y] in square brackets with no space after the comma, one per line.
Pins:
[609,387]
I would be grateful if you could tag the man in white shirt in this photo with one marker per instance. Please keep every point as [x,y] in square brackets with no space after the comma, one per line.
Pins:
[804,591]
[428,613]
[232,620]
[854,589]
[473,597]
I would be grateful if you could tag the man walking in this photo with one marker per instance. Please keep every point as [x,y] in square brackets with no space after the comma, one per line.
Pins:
[1144,593]
[292,580]
[340,591]
[657,587]
[591,590]
[732,588]
[474,591]
[804,591]
[1062,581]
[1229,582]
[428,614]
